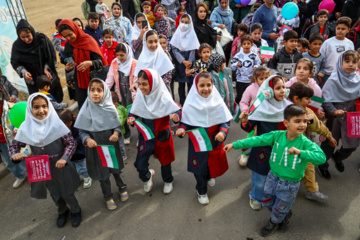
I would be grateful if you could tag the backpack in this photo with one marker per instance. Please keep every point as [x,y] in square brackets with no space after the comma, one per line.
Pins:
[354,36]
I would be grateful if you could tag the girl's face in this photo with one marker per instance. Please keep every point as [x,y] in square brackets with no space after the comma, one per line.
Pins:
[108,39]
[224,4]
[144,86]
[77,22]
[121,56]
[349,65]
[160,11]
[205,87]
[163,43]
[304,102]
[96,92]
[240,33]
[262,78]
[40,108]
[322,19]
[26,37]
[152,42]
[279,90]
[116,11]
[303,72]
[139,22]
[256,35]
[69,35]
[185,20]
[201,13]
[205,54]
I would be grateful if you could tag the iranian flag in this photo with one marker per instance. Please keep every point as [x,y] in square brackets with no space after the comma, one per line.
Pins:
[316,103]
[108,156]
[200,140]
[236,116]
[145,130]
[267,52]
[256,103]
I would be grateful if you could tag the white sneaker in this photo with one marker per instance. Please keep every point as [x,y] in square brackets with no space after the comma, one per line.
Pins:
[211,182]
[149,184]
[127,141]
[124,158]
[255,205]
[168,188]
[18,182]
[87,182]
[243,159]
[203,199]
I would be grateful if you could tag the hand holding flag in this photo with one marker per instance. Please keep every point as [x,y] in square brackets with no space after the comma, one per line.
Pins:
[200,140]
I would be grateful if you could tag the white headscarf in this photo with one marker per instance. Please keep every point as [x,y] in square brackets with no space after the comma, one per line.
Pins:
[270,110]
[158,103]
[125,67]
[157,60]
[185,40]
[97,117]
[40,133]
[135,32]
[204,112]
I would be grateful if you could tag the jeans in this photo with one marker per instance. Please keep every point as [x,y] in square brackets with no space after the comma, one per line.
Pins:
[279,196]
[257,186]
[81,168]
[18,170]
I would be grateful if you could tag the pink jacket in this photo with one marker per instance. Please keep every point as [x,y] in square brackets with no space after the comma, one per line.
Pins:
[235,46]
[113,77]
[249,96]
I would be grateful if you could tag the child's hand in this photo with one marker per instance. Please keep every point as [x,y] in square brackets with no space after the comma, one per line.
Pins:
[239,64]
[220,137]
[180,132]
[332,142]
[13,99]
[244,116]
[263,60]
[174,117]
[188,72]
[294,151]
[321,75]
[310,117]
[18,157]
[91,143]
[60,163]
[114,137]
[134,87]
[130,121]
[320,114]
[228,147]
[339,112]
[187,63]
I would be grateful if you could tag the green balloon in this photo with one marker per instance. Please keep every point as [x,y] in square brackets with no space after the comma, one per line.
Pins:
[17,114]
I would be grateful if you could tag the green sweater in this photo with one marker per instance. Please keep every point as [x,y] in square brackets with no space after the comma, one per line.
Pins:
[282,164]
[123,115]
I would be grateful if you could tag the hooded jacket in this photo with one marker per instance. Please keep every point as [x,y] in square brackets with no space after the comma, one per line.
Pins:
[284,63]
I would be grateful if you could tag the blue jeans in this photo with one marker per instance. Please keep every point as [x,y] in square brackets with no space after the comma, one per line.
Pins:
[81,168]
[257,186]
[279,196]
[18,170]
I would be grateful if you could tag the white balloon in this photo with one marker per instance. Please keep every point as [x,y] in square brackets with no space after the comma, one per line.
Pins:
[252,2]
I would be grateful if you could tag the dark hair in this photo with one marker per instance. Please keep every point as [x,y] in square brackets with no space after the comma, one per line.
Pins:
[158,6]
[322,12]
[300,90]
[204,75]
[42,81]
[67,116]
[358,50]
[247,37]
[40,96]
[291,34]
[64,27]
[185,15]
[256,26]
[57,21]
[259,71]
[203,46]
[93,15]
[179,9]
[116,4]
[351,53]
[162,36]
[316,36]
[142,74]
[276,79]
[357,23]
[96,80]
[308,62]
[344,20]
[114,97]
[304,42]
[242,27]
[108,31]
[139,15]
[78,19]
[165,10]
[146,3]
[293,111]
[120,48]
[27,30]
[150,33]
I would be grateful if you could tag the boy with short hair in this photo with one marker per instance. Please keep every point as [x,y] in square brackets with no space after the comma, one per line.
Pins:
[315,42]
[93,28]
[321,26]
[291,152]
[302,45]
[108,48]
[283,62]
[146,6]
[43,83]
[58,40]
[333,47]
[100,8]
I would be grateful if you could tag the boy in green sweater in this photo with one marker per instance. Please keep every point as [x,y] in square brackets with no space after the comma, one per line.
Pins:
[291,151]
[123,115]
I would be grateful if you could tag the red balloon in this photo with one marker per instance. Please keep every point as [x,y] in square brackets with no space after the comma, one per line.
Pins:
[328,5]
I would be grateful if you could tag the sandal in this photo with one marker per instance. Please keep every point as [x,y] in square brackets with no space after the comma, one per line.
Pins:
[124,196]
[111,205]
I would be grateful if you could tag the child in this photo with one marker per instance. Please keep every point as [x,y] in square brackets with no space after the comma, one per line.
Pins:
[164,43]
[321,26]
[123,115]
[286,170]
[244,63]
[58,40]
[108,48]
[172,24]
[284,61]
[302,45]
[93,28]
[46,134]
[146,6]
[78,22]
[43,83]
[204,63]
[162,26]
[170,6]
[137,34]
[241,30]
[121,73]
[100,8]
[181,11]
[333,47]
[204,108]
[153,104]
[315,42]
[78,159]
[184,45]
[340,93]
[256,32]
[99,124]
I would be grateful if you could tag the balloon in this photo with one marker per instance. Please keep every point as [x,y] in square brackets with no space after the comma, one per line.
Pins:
[238,1]
[17,114]
[328,5]
[245,2]
[252,2]
[289,10]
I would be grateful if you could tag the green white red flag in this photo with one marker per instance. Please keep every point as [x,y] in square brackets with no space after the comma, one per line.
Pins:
[316,103]
[145,130]
[256,103]
[200,140]
[108,156]
[236,116]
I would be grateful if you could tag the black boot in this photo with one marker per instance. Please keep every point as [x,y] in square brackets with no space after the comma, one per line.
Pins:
[75,219]
[269,229]
[324,173]
[284,225]
[62,219]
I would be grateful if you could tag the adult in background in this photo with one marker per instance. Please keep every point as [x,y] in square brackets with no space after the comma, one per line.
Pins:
[85,52]
[204,32]
[33,55]
[351,9]
[267,15]
[119,24]
[128,9]
[240,10]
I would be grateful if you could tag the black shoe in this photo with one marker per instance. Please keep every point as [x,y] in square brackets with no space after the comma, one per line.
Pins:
[76,219]
[62,219]
[284,225]
[269,229]
[324,173]
[339,166]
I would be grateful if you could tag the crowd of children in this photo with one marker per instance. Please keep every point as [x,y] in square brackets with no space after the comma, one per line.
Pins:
[272,100]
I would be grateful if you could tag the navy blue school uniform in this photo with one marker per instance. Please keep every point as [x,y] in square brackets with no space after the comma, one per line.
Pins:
[79,153]
[96,34]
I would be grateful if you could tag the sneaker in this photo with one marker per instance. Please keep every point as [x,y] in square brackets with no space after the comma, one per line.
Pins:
[168,188]
[324,173]
[317,196]
[149,184]
[284,225]
[211,182]
[62,218]
[18,182]
[87,182]
[203,199]
[124,158]
[255,205]
[76,219]
[111,205]
[243,159]
[127,141]
[124,196]
[269,229]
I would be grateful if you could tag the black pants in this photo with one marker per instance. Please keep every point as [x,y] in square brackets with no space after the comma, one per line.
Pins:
[227,51]
[63,202]
[166,173]
[127,131]
[201,183]
[240,89]
[106,186]
[339,155]
[181,91]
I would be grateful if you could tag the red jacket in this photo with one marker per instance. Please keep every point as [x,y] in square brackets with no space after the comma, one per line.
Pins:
[109,53]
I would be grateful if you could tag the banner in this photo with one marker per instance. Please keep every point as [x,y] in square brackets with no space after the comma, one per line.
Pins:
[38,168]
[353,124]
